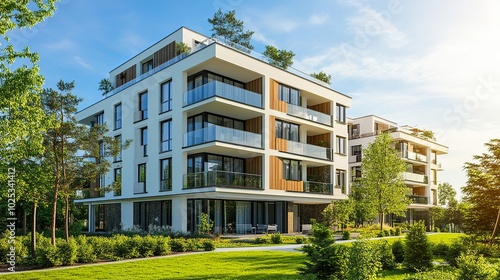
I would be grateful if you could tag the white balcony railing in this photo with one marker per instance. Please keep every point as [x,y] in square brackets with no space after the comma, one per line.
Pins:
[414,177]
[413,156]
[308,114]
[309,150]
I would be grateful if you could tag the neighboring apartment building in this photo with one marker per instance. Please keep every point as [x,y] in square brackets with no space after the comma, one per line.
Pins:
[221,131]
[419,152]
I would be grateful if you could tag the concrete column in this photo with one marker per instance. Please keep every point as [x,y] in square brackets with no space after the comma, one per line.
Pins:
[179,214]
[91,217]
[127,212]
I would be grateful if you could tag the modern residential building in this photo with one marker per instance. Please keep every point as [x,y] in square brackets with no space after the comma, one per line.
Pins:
[217,130]
[420,152]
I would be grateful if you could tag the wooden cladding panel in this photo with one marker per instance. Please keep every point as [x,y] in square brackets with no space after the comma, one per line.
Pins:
[320,138]
[281,144]
[323,108]
[272,132]
[277,182]
[255,86]
[253,165]
[164,54]
[275,103]
[254,125]
[126,76]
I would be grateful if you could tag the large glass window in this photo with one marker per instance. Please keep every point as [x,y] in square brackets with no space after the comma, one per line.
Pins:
[340,113]
[118,157]
[211,162]
[289,94]
[146,66]
[166,97]
[118,116]
[155,213]
[144,141]
[291,169]
[117,188]
[286,130]
[208,119]
[141,173]
[143,105]
[340,180]
[99,119]
[341,145]
[356,151]
[166,136]
[205,77]
[166,174]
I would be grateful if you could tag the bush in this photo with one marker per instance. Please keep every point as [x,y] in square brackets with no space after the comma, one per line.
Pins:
[386,232]
[474,267]
[21,248]
[147,246]
[431,275]
[418,255]
[178,245]
[276,238]
[103,247]
[391,232]
[67,251]
[208,245]
[364,262]
[299,240]
[325,259]
[436,229]
[346,235]
[262,240]
[384,252]
[397,231]
[85,252]
[440,249]
[162,246]
[48,256]
[454,251]
[398,251]
[125,247]
[193,244]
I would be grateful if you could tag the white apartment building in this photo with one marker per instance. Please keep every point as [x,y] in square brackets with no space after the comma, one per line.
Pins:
[419,152]
[218,130]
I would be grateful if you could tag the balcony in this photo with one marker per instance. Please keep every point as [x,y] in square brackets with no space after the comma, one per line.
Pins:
[309,150]
[414,177]
[218,178]
[438,164]
[413,156]
[417,199]
[223,134]
[318,188]
[222,90]
[308,114]
[354,158]
[88,193]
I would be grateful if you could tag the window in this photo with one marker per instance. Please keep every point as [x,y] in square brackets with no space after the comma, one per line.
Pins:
[340,113]
[166,97]
[355,172]
[118,157]
[356,151]
[205,77]
[141,175]
[166,174]
[117,188]
[166,136]
[144,141]
[340,180]
[291,169]
[99,119]
[341,145]
[146,66]
[289,95]
[143,105]
[286,130]
[118,116]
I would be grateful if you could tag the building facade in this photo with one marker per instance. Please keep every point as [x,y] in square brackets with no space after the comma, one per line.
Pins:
[217,130]
[416,147]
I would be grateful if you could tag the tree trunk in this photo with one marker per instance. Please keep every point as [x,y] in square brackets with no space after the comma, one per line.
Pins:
[56,191]
[381,215]
[496,228]
[24,221]
[33,232]
[66,217]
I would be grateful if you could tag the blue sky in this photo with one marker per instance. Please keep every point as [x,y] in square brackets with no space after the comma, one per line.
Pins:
[425,63]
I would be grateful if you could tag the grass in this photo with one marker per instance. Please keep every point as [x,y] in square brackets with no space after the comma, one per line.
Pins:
[233,265]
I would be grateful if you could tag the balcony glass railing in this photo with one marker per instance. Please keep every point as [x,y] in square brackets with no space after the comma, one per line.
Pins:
[413,156]
[223,90]
[223,134]
[417,199]
[415,177]
[318,187]
[88,193]
[309,150]
[308,114]
[218,178]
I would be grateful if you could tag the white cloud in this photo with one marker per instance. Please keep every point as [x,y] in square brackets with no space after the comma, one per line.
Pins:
[318,19]
[62,45]
[80,61]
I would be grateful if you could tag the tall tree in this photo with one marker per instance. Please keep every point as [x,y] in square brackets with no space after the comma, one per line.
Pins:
[338,212]
[363,210]
[280,58]
[381,179]
[227,26]
[446,193]
[482,189]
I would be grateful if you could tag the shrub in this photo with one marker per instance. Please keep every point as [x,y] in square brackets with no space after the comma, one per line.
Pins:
[193,244]
[440,249]
[454,251]
[392,232]
[474,267]
[436,229]
[398,251]
[346,235]
[48,256]
[125,247]
[418,255]
[276,238]
[325,259]
[262,240]
[431,275]
[85,251]
[208,245]
[162,246]
[21,248]
[299,239]
[178,245]
[147,246]
[397,231]
[67,251]
[386,232]
[384,251]
[364,262]
[103,247]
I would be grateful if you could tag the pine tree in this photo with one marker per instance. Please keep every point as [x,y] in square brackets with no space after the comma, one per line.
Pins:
[418,255]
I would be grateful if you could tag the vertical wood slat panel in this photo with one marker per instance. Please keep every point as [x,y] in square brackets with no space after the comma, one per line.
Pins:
[253,165]
[254,125]
[274,102]
[315,139]
[164,54]
[129,74]
[323,108]
[277,182]
[254,86]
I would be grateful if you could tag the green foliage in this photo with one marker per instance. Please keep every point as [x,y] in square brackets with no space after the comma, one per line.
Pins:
[299,240]
[322,76]
[181,47]
[227,26]
[431,275]
[446,193]
[105,86]
[455,250]
[325,259]
[397,231]
[208,245]
[85,252]
[364,262]
[279,58]
[68,252]
[346,235]
[482,190]
[440,249]
[48,256]
[206,224]
[178,245]
[276,238]
[418,254]
[384,252]
[398,250]
[473,266]
[338,212]
[262,240]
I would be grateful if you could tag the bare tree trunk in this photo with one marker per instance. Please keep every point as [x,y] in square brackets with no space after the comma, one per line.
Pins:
[33,232]
[496,228]
[66,217]
[381,216]
[56,191]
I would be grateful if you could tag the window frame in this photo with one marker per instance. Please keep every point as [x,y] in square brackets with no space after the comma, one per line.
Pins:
[340,179]
[286,94]
[143,104]
[341,145]
[162,178]
[288,169]
[169,140]
[144,140]
[166,102]
[115,173]
[139,177]
[290,131]
[118,158]
[149,64]
[118,117]
[340,113]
